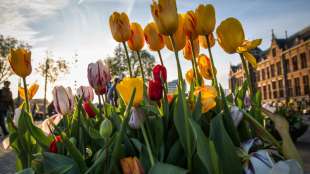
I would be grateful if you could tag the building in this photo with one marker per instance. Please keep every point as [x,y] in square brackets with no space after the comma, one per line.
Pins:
[172,86]
[283,70]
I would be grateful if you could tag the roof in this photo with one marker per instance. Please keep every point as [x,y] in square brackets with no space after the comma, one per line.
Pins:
[287,43]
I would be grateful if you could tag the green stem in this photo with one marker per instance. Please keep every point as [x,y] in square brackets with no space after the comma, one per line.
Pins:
[100,106]
[212,65]
[178,61]
[194,62]
[246,70]
[148,147]
[141,66]
[128,59]
[26,94]
[160,58]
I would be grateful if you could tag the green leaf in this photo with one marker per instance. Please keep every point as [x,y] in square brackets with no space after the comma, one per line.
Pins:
[197,110]
[230,163]
[26,171]
[176,155]
[205,149]
[90,128]
[59,164]
[160,168]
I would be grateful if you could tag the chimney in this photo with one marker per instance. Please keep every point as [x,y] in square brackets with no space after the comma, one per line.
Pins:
[272,34]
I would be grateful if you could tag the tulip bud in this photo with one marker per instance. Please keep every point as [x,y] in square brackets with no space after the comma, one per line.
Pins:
[153,38]
[203,41]
[120,26]
[160,73]
[98,76]
[165,15]
[89,110]
[85,92]
[106,128]
[20,61]
[187,50]
[155,90]
[189,76]
[205,19]
[204,65]
[136,40]
[53,145]
[190,24]
[136,118]
[179,37]
[63,100]
[236,115]
[131,165]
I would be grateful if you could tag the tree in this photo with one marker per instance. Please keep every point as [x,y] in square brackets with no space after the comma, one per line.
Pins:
[50,69]
[6,44]
[118,62]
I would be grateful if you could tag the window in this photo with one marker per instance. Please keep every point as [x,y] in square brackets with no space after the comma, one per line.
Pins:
[281,92]
[303,60]
[287,65]
[265,92]
[274,53]
[290,88]
[268,73]
[295,63]
[272,70]
[297,87]
[258,75]
[305,80]
[279,68]
[263,74]
[269,91]
[274,90]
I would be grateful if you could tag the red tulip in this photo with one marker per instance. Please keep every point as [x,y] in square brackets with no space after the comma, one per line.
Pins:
[89,110]
[159,71]
[53,145]
[155,90]
[98,76]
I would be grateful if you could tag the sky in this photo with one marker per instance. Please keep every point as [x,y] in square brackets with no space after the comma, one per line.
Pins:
[79,29]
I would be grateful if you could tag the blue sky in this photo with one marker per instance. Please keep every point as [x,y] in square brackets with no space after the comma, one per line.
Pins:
[69,27]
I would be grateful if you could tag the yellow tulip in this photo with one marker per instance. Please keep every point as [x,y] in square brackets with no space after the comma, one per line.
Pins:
[20,61]
[131,165]
[231,38]
[126,86]
[31,91]
[179,37]
[189,76]
[187,50]
[190,24]
[153,38]
[205,19]
[136,40]
[203,41]
[120,26]
[165,15]
[204,65]
[208,95]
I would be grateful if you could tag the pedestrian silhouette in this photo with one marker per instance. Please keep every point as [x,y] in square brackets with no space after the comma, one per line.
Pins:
[6,105]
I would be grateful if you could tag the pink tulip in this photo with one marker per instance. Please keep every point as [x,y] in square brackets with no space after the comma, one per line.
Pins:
[98,76]
[63,100]
[47,126]
[85,92]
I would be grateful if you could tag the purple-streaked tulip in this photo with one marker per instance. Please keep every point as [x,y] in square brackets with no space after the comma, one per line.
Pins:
[236,114]
[47,126]
[136,118]
[63,100]
[85,92]
[98,76]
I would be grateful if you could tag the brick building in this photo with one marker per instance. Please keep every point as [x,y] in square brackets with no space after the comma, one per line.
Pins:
[283,70]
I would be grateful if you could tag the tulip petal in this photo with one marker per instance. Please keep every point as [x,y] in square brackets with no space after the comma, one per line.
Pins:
[250,58]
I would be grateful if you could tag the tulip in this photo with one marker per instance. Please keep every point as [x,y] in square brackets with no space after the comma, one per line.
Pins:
[236,114]
[63,100]
[136,118]
[48,124]
[187,50]
[190,24]
[179,37]
[53,145]
[98,76]
[231,38]
[120,26]
[160,73]
[170,98]
[208,95]
[153,38]
[136,40]
[85,92]
[106,128]
[203,41]
[20,61]
[89,110]
[205,19]
[127,85]
[155,90]
[189,76]
[204,66]
[165,15]
[131,165]
[31,91]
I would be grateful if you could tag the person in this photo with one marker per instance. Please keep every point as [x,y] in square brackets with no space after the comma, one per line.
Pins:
[112,93]
[6,105]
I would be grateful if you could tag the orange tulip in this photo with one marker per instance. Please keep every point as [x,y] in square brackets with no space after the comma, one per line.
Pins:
[203,41]
[187,50]
[120,26]
[208,95]
[31,91]
[190,24]
[189,76]
[205,19]
[20,61]
[204,65]
[178,36]
[153,38]
[136,40]
[131,165]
